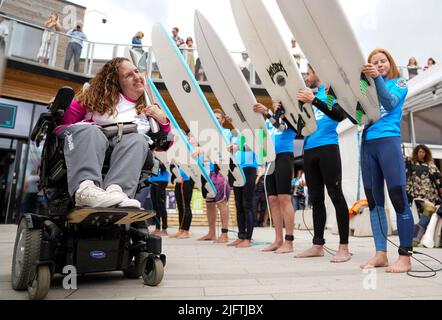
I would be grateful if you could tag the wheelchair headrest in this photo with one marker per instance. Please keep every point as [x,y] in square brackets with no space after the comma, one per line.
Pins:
[62,100]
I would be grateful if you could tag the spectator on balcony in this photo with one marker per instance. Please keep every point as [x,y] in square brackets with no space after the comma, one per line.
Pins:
[178,40]
[137,42]
[75,46]
[199,72]
[431,62]
[47,40]
[4,31]
[190,54]
[244,65]
[413,68]
[296,52]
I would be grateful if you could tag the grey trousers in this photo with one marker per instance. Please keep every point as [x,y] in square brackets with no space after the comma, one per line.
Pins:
[85,149]
[73,50]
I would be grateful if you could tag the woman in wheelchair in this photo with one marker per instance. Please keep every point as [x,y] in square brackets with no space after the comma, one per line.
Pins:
[111,114]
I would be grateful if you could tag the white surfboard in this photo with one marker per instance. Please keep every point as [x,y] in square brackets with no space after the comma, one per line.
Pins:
[275,65]
[329,43]
[193,105]
[181,151]
[231,89]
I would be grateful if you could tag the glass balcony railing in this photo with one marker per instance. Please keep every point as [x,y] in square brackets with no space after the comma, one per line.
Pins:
[33,44]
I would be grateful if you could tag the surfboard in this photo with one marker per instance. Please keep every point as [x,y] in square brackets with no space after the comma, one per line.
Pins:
[181,151]
[275,65]
[193,105]
[329,43]
[231,89]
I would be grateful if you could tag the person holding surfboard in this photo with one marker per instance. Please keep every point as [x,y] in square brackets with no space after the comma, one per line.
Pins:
[278,183]
[222,192]
[244,195]
[183,195]
[322,165]
[158,192]
[382,160]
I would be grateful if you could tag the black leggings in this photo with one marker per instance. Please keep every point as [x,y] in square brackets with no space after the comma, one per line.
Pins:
[244,205]
[323,167]
[158,194]
[183,196]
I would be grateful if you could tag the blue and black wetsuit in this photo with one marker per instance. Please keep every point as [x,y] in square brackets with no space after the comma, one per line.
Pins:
[322,165]
[244,195]
[183,196]
[382,160]
[158,194]
[280,179]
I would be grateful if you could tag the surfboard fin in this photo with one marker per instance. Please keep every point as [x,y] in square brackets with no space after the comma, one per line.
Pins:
[360,112]
[364,84]
[331,97]
[300,126]
[204,187]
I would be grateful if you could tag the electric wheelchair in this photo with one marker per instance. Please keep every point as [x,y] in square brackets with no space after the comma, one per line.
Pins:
[90,239]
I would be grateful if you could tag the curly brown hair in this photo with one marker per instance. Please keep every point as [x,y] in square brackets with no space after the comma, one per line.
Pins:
[428,155]
[103,94]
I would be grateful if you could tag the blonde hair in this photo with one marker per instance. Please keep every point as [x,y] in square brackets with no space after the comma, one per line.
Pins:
[394,71]
[139,34]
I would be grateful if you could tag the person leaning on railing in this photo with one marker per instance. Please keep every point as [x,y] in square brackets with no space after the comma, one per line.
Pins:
[75,46]
[51,24]
[4,31]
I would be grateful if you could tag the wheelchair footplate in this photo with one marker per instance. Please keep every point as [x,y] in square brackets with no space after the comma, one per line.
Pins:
[104,216]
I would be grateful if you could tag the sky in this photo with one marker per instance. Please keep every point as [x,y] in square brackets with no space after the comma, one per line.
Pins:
[405,27]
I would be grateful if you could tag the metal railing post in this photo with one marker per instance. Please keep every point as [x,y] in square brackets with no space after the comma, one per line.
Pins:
[115,51]
[86,59]
[91,61]
[54,50]
[412,129]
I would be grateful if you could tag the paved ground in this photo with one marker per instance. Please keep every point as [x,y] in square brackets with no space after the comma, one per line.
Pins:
[200,271]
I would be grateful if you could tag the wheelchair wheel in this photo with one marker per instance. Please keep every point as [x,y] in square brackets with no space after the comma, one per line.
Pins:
[39,287]
[26,253]
[136,266]
[154,272]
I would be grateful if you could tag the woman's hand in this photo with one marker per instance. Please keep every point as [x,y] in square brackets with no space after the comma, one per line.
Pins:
[233,148]
[197,153]
[370,71]
[155,112]
[305,96]
[260,108]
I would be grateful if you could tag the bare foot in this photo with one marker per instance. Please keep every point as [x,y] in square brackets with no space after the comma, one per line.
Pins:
[235,243]
[315,251]
[287,247]
[176,235]
[163,233]
[273,247]
[157,232]
[380,260]
[207,237]
[402,265]
[244,244]
[343,255]
[222,239]
[184,235]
